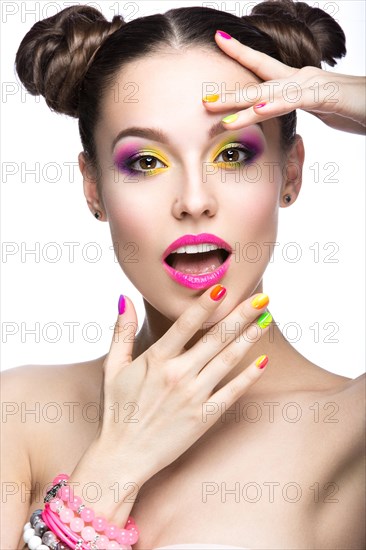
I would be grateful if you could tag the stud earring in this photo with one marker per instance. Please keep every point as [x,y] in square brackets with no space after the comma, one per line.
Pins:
[287,198]
[97,214]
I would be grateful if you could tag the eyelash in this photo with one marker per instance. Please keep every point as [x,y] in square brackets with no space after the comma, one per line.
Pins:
[127,164]
[250,154]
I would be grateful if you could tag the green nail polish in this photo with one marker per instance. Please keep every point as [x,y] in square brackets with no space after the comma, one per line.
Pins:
[264,320]
[230,118]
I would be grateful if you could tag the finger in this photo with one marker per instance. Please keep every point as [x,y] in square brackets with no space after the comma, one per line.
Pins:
[224,332]
[261,64]
[260,112]
[120,351]
[232,354]
[234,389]
[233,100]
[252,94]
[173,341]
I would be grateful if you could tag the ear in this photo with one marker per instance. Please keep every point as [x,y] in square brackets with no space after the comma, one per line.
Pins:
[90,185]
[292,172]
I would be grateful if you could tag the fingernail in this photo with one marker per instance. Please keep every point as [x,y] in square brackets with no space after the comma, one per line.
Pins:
[264,320]
[224,34]
[262,361]
[260,301]
[259,105]
[121,304]
[210,98]
[217,292]
[230,118]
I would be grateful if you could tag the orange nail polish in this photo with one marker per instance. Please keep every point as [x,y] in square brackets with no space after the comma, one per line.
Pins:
[217,292]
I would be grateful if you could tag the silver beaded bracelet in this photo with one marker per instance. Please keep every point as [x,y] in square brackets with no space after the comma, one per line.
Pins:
[38,536]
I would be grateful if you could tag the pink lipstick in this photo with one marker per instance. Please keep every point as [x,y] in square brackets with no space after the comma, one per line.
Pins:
[197,261]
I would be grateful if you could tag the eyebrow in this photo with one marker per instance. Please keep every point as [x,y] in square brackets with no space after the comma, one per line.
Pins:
[157,134]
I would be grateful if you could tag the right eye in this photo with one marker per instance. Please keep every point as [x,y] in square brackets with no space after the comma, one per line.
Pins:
[144,163]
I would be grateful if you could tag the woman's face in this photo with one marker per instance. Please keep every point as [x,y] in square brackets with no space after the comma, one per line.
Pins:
[186,183]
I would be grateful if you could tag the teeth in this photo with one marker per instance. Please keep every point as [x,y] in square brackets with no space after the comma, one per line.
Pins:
[195,248]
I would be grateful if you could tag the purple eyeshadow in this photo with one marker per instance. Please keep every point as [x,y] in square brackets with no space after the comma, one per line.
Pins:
[252,141]
[124,153]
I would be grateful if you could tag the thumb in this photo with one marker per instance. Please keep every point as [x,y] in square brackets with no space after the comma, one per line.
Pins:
[120,351]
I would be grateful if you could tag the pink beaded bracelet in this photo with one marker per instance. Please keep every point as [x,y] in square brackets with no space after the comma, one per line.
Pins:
[64,534]
[99,535]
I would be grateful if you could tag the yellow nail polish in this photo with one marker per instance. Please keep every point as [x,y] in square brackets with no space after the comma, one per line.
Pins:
[210,98]
[260,301]
[230,118]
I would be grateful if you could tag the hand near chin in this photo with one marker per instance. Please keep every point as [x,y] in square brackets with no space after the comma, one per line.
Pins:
[168,395]
[338,100]
[156,406]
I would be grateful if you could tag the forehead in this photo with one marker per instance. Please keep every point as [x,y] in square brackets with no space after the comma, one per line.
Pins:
[165,90]
[185,75]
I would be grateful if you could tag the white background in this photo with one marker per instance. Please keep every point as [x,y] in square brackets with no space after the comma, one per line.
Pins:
[49,207]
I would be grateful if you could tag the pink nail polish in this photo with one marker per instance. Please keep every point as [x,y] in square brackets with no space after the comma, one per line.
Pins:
[121,304]
[260,105]
[224,34]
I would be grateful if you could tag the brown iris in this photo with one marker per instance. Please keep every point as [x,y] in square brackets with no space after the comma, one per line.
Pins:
[230,153]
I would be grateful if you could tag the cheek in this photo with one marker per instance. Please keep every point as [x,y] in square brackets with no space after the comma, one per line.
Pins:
[133,225]
[255,217]
[257,209]
[130,205]
[125,218]
[128,236]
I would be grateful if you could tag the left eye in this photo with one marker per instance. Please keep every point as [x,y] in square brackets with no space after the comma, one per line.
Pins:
[146,162]
[235,154]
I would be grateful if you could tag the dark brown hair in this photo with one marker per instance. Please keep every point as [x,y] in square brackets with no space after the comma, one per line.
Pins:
[72,57]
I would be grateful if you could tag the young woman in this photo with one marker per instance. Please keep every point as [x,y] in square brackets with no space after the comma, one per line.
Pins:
[190,442]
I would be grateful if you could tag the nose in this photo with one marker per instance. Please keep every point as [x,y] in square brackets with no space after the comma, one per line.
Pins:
[194,197]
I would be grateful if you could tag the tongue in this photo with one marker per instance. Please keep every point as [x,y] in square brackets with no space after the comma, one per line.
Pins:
[201,262]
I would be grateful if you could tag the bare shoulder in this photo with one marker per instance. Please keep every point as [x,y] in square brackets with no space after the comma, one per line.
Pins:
[45,382]
[41,406]
[349,398]
[45,404]
[351,391]
[353,397]
[356,386]
[334,407]
[36,399]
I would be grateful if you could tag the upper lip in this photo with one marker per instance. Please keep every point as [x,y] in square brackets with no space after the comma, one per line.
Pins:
[196,239]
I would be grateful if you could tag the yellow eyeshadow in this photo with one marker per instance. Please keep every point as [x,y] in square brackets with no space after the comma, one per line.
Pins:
[146,152]
[149,151]
[228,165]
[222,147]
[152,171]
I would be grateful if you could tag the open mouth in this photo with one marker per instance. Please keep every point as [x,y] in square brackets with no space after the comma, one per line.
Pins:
[196,262]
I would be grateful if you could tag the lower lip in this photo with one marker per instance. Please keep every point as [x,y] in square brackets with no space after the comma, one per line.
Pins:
[198,282]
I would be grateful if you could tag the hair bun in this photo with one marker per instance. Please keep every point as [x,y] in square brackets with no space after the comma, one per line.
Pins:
[304,35]
[56,53]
